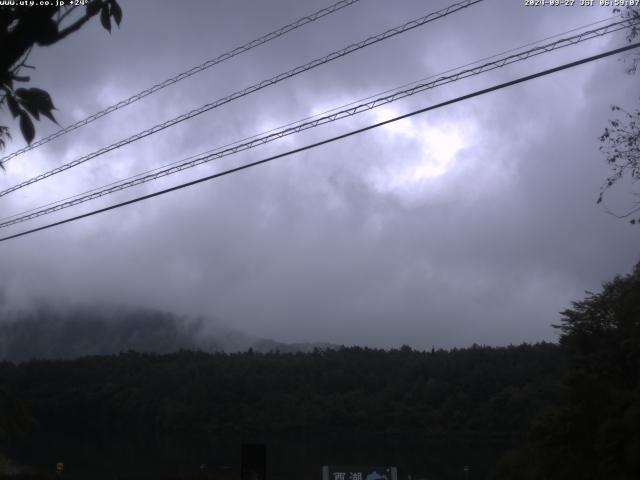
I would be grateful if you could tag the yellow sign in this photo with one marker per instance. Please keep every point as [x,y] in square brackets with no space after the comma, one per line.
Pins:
[59,467]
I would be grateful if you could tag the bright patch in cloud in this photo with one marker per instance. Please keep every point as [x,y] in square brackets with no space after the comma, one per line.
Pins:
[427,151]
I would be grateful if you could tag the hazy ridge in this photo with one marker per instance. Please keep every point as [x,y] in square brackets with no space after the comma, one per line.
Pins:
[48,332]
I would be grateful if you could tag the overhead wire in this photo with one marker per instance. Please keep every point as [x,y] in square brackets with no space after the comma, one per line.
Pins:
[253,88]
[407,84]
[206,157]
[313,116]
[122,184]
[330,140]
[187,73]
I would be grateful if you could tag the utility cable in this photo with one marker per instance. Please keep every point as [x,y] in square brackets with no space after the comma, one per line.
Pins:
[206,157]
[332,139]
[188,73]
[258,86]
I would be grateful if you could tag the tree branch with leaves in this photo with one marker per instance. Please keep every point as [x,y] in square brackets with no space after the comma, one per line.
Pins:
[621,139]
[22,28]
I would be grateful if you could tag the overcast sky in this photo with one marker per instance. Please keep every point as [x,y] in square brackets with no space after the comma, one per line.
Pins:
[475,222]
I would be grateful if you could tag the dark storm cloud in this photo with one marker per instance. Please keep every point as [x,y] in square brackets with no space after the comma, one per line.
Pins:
[361,241]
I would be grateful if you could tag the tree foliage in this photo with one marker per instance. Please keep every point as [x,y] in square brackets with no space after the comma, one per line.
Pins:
[482,393]
[621,145]
[22,28]
[594,431]
[621,139]
[544,411]
[602,332]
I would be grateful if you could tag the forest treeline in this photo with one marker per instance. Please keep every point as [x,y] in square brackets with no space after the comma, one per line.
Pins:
[482,394]
[567,410]
[479,388]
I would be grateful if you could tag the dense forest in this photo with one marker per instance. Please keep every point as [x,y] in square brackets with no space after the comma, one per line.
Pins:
[570,410]
[488,393]
[495,389]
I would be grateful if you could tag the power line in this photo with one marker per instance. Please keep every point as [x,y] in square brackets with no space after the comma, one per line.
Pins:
[345,105]
[200,159]
[332,139]
[188,73]
[313,116]
[258,86]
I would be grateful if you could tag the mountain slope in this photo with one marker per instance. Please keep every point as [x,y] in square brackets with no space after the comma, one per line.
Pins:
[63,333]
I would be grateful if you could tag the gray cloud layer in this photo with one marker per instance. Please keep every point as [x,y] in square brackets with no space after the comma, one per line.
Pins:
[473,223]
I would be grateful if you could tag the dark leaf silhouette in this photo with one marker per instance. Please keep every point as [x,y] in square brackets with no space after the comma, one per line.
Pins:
[116,12]
[41,98]
[93,7]
[4,132]
[26,127]
[23,28]
[31,108]
[37,101]
[104,18]
[50,116]
[14,108]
